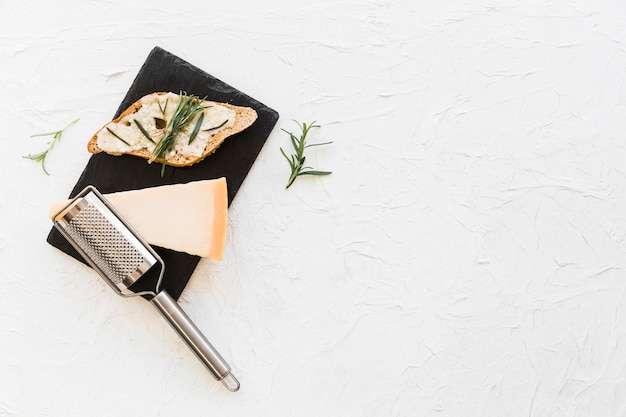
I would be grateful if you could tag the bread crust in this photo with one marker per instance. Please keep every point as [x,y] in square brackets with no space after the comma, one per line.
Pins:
[245,117]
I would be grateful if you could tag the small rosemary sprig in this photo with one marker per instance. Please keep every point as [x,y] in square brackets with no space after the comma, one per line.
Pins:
[41,156]
[296,162]
[186,110]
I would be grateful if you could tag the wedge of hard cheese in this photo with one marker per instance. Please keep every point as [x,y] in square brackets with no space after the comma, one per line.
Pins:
[190,217]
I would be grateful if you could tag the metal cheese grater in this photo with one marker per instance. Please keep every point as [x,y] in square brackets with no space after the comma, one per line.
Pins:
[97,231]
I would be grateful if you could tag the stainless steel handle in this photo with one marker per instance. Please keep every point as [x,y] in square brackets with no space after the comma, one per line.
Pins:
[195,340]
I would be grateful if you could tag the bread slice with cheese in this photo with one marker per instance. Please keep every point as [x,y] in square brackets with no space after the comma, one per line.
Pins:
[139,129]
[190,217]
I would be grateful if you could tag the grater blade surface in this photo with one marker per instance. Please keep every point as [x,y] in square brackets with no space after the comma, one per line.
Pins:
[105,241]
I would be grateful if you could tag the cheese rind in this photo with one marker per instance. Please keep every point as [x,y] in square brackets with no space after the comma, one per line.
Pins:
[191,217]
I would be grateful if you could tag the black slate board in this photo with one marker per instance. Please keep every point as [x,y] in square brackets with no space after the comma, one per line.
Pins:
[163,71]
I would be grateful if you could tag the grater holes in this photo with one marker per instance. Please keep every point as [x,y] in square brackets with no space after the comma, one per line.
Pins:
[104,244]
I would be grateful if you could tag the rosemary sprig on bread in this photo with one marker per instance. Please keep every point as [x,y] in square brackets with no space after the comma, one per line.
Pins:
[172,129]
[186,110]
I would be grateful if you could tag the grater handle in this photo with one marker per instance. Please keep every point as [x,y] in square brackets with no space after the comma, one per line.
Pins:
[195,340]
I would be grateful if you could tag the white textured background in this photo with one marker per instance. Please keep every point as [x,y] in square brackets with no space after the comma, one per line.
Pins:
[466,257]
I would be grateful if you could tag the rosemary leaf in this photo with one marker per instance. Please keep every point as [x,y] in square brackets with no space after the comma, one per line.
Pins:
[144,131]
[294,142]
[56,132]
[290,161]
[315,172]
[196,128]
[317,144]
[115,134]
[40,157]
[216,127]
[37,157]
[163,108]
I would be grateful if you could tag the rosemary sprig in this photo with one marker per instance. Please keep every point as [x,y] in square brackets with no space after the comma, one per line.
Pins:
[41,156]
[186,110]
[296,162]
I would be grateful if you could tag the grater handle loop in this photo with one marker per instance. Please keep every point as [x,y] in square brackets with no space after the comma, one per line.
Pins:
[195,340]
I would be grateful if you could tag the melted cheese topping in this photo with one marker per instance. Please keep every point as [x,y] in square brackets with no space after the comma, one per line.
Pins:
[156,111]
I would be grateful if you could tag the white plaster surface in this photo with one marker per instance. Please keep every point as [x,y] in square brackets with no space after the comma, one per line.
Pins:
[466,257]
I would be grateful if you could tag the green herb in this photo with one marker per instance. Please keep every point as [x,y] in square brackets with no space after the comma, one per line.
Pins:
[144,131]
[164,107]
[186,110]
[117,136]
[216,127]
[296,162]
[196,129]
[56,136]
